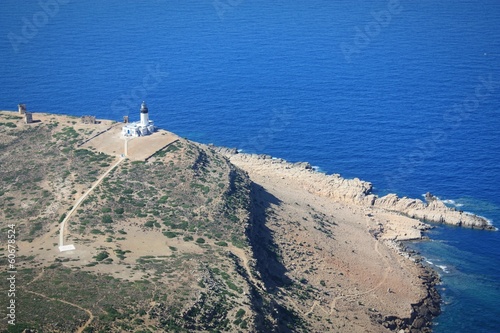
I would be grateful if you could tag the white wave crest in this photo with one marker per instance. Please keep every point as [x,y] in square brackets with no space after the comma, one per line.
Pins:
[444,268]
[317,168]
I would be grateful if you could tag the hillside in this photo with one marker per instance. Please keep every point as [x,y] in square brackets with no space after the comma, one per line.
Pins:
[192,239]
[152,241]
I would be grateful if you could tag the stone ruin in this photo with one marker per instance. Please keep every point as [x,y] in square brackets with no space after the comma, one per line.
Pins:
[88,119]
[28,117]
[21,108]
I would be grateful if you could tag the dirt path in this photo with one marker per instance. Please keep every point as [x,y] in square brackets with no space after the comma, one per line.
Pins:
[125,150]
[82,198]
[381,282]
[37,277]
[316,304]
[152,302]
[81,328]
[241,254]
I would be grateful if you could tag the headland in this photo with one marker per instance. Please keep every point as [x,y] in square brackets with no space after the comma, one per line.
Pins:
[178,235]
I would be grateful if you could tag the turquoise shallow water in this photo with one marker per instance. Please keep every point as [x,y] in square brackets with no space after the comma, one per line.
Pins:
[414,108]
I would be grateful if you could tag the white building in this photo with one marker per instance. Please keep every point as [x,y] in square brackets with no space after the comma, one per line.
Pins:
[142,127]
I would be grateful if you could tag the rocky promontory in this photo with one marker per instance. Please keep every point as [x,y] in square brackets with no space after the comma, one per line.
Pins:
[202,241]
[359,192]
[432,210]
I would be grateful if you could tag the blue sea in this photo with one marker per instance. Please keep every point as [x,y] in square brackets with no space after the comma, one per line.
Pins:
[404,94]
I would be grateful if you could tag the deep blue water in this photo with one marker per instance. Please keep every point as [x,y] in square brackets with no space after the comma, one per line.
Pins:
[411,104]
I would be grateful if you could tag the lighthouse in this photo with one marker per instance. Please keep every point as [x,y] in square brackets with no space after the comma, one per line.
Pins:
[144,115]
[142,127]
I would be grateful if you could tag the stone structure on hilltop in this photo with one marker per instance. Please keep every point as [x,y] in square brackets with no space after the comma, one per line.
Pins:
[88,119]
[28,117]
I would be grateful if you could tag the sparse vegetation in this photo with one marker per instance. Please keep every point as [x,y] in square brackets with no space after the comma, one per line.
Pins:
[185,195]
[107,219]
[101,256]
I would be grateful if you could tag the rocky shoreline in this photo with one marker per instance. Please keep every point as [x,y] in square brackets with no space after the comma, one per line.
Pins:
[423,312]
[360,193]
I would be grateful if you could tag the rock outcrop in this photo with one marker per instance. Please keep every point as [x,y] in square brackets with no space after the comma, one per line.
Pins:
[359,192]
[433,210]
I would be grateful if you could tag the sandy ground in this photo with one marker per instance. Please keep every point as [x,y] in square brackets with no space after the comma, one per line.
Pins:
[110,141]
[361,275]
[105,136]
[113,143]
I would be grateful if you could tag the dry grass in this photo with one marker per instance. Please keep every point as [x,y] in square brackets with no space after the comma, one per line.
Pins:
[146,257]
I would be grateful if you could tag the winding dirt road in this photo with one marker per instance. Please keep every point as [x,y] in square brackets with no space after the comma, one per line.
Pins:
[80,200]
[90,314]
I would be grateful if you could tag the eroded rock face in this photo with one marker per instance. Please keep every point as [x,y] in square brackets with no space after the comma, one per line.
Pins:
[359,192]
[433,210]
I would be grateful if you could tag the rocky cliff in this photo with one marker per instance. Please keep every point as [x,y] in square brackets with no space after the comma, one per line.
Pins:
[359,192]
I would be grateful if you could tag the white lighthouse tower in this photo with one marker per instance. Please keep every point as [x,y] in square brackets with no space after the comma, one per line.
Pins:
[144,115]
[142,127]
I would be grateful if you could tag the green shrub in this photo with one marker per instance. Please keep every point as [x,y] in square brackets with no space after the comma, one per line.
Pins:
[9,124]
[170,234]
[238,242]
[107,219]
[200,240]
[101,256]
[240,313]
[234,287]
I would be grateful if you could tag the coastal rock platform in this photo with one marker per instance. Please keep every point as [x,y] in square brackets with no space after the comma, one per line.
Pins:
[359,192]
